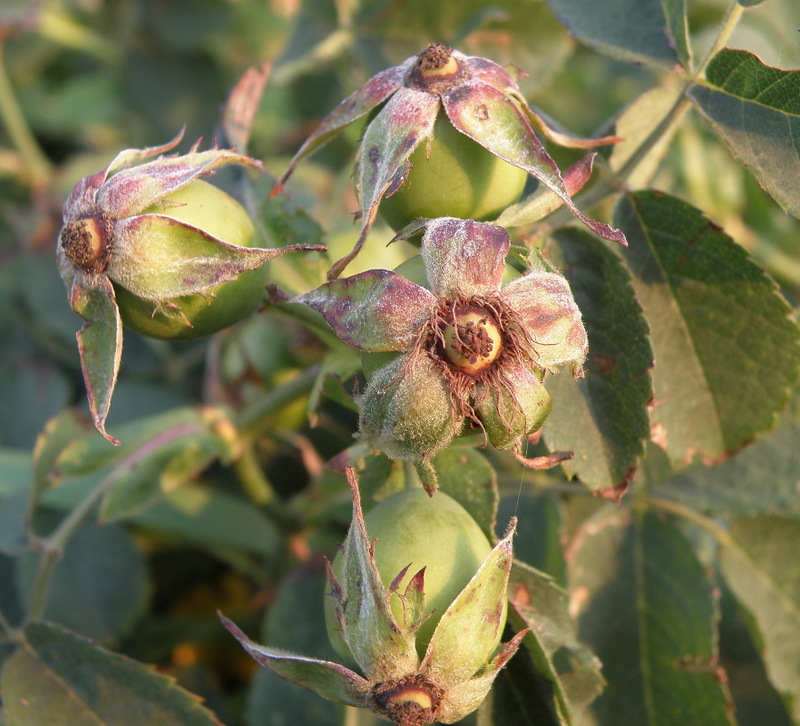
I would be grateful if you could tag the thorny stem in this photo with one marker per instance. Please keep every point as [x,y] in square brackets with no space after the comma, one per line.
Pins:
[21,136]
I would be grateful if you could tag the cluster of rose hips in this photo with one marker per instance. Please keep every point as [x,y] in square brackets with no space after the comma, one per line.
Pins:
[466,345]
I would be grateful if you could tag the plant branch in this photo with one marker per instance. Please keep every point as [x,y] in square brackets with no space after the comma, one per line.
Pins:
[726,28]
[254,417]
[22,138]
[681,510]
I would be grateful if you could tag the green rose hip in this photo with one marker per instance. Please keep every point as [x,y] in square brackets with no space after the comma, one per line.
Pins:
[453,176]
[413,531]
[187,317]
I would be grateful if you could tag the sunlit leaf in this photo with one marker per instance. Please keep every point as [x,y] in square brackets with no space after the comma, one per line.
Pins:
[602,417]
[99,586]
[762,479]
[631,30]
[59,432]
[636,124]
[756,110]
[646,607]
[726,351]
[761,566]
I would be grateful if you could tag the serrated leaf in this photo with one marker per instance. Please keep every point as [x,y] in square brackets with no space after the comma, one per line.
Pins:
[756,111]
[762,479]
[632,30]
[648,610]
[99,586]
[762,569]
[725,348]
[602,417]
[56,677]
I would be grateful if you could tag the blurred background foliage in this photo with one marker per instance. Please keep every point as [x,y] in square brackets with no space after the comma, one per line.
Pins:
[81,79]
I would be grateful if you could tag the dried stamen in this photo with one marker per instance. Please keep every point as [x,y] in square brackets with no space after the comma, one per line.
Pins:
[471,340]
[87,242]
[437,69]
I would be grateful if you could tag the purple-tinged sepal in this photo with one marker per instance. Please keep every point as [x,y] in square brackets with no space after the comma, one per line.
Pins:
[140,228]
[460,661]
[478,98]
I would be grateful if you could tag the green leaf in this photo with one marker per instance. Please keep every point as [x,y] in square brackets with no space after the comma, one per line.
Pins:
[211,518]
[56,677]
[755,109]
[762,479]
[725,348]
[99,343]
[675,12]
[295,621]
[160,453]
[602,417]
[630,30]
[168,460]
[540,604]
[648,610]
[762,569]
[99,586]
[57,434]
[195,513]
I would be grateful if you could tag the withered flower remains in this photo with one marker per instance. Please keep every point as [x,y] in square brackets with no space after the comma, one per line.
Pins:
[446,682]
[471,350]
[118,231]
[480,99]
